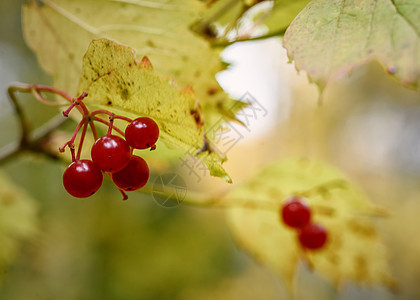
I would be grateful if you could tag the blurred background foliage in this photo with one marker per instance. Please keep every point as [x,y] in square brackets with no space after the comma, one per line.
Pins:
[102,248]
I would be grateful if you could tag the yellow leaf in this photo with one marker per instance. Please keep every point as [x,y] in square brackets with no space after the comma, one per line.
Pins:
[354,252]
[116,81]
[59,31]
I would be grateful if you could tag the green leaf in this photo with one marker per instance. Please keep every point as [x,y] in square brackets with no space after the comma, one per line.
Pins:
[59,31]
[18,219]
[354,251]
[282,14]
[227,21]
[222,17]
[116,81]
[329,38]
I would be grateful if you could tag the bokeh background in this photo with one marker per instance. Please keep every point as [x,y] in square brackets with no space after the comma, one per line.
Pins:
[103,248]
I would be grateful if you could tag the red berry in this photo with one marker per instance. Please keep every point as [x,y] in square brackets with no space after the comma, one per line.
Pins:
[82,178]
[111,153]
[295,213]
[133,176]
[313,236]
[142,133]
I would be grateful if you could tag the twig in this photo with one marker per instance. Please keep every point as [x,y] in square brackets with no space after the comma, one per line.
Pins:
[24,125]
[30,141]
[9,151]
[33,141]
[257,38]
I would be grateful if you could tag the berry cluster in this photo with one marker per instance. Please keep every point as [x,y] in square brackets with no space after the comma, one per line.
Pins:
[296,214]
[111,154]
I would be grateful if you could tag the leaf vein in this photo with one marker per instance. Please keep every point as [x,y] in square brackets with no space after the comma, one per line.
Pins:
[71,17]
[54,32]
[370,28]
[340,12]
[401,14]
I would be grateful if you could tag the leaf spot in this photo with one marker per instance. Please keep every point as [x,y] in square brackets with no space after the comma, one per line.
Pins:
[211,91]
[124,94]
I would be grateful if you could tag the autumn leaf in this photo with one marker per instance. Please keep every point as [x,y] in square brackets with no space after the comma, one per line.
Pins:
[226,21]
[116,81]
[59,31]
[282,14]
[221,22]
[17,219]
[354,251]
[329,38]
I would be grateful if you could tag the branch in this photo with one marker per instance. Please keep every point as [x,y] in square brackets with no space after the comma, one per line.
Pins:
[31,141]
[24,125]
[257,38]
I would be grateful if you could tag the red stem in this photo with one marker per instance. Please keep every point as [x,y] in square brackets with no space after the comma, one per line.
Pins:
[73,157]
[111,124]
[53,90]
[71,141]
[72,105]
[36,88]
[125,196]
[80,106]
[102,111]
[82,138]
[42,99]
[93,128]
[108,123]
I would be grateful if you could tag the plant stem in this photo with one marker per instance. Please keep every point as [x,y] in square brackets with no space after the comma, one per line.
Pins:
[109,125]
[28,141]
[53,90]
[257,38]
[102,111]
[42,99]
[34,140]
[73,138]
[82,138]
[9,151]
[93,128]
[24,125]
